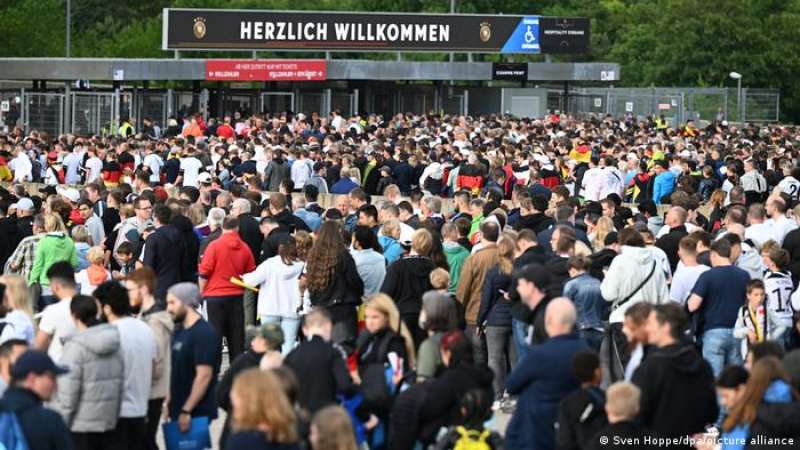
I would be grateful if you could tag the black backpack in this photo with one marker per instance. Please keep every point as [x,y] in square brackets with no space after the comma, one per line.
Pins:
[378,397]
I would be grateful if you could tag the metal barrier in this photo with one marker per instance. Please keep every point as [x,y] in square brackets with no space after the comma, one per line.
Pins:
[677,105]
[43,111]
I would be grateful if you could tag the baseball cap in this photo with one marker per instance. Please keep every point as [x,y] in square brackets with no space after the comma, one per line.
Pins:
[34,361]
[204,178]
[25,204]
[71,194]
[187,293]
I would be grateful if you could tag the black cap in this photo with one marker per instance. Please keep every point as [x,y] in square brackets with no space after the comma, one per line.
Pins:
[34,361]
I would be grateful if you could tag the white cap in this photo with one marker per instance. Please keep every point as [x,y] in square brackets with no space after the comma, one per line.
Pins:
[24,204]
[204,178]
[71,194]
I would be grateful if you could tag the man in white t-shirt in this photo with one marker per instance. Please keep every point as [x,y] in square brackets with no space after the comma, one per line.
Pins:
[93,165]
[139,356]
[789,184]
[154,163]
[190,169]
[687,272]
[778,222]
[21,165]
[593,182]
[72,164]
[757,231]
[56,320]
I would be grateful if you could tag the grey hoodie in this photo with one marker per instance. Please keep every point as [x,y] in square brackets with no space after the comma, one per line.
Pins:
[90,395]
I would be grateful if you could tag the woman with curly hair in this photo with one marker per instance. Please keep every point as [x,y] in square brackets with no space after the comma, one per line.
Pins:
[332,281]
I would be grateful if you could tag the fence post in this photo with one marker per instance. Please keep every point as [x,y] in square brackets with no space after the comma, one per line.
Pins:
[66,111]
[778,106]
[23,109]
[743,106]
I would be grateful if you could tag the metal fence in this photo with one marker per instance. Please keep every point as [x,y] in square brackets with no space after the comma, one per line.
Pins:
[676,104]
[43,111]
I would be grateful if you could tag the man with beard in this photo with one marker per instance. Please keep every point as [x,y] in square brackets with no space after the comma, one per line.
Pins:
[196,351]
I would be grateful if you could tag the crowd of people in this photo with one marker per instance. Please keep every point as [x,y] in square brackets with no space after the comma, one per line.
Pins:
[336,283]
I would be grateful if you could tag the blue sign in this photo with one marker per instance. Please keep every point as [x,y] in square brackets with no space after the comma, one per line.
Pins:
[525,38]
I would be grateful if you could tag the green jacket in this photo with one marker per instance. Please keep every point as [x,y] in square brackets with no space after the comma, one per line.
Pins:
[455,255]
[52,248]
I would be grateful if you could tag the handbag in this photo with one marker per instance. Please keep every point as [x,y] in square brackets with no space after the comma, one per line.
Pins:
[197,438]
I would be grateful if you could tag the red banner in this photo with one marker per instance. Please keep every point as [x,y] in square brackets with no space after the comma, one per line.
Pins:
[266,70]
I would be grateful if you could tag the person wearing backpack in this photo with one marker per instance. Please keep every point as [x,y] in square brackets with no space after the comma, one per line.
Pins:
[581,414]
[470,434]
[25,423]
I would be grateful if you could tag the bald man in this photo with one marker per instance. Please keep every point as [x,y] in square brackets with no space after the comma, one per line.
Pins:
[676,220]
[542,378]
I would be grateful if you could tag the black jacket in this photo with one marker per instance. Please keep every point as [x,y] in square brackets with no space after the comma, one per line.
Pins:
[8,229]
[165,253]
[24,228]
[533,255]
[775,421]
[346,287]
[667,377]
[538,222]
[581,415]
[406,280]
[670,242]
[791,243]
[442,405]
[270,245]
[324,373]
[44,428]
[600,261]
[246,360]
[250,233]
[191,246]
[289,223]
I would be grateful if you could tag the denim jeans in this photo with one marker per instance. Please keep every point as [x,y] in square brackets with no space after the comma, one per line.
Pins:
[721,349]
[289,326]
[520,332]
[502,355]
[592,337]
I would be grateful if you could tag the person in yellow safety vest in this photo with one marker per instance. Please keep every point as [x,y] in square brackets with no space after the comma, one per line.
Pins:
[661,123]
[126,129]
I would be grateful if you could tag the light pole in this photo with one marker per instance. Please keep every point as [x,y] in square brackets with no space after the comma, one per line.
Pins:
[69,28]
[738,77]
[452,11]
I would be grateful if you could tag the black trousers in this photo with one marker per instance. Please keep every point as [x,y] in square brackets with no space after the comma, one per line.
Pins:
[94,441]
[153,420]
[130,433]
[345,325]
[226,315]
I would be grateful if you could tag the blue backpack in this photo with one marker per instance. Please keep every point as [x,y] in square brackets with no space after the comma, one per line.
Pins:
[11,436]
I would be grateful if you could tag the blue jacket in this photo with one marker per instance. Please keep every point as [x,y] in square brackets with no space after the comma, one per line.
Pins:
[44,429]
[392,250]
[541,379]
[584,291]
[663,185]
[495,309]
[343,186]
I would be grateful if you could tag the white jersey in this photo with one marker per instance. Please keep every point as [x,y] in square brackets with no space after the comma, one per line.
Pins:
[592,184]
[779,287]
[790,186]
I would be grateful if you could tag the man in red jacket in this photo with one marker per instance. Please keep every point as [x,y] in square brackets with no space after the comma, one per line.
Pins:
[226,257]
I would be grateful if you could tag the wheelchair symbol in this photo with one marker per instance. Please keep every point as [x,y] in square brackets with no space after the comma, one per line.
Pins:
[529,37]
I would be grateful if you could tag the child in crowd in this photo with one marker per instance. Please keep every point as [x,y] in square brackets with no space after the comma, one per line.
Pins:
[125,256]
[755,322]
[622,407]
[89,278]
[581,414]
[778,285]
[80,235]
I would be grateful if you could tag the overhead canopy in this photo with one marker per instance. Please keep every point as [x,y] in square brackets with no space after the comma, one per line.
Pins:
[69,69]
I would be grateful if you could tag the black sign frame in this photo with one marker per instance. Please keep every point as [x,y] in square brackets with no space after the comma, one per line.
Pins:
[509,71]
[264,30]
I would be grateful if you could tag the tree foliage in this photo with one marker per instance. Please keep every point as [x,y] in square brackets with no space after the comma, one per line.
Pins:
[657,42]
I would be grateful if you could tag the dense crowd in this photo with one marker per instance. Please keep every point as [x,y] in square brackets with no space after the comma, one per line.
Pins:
[402,282]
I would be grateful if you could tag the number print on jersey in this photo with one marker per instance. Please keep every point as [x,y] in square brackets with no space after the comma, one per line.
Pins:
[778,294]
